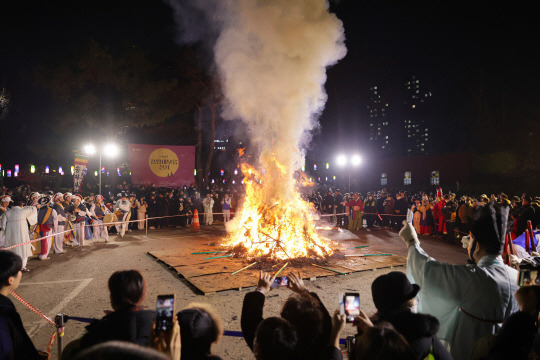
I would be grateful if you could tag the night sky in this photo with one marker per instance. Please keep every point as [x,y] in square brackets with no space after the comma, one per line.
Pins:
[456,47]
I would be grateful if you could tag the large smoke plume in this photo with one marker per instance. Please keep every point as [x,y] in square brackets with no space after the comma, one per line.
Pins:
[272,57]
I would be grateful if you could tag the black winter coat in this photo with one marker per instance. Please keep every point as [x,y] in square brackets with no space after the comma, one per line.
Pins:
[14,341]
[420,331]
[123,325]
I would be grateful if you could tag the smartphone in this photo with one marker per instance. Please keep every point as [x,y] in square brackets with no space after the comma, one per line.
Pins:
[528,276]
[280,281]
[164,313]
[349,305]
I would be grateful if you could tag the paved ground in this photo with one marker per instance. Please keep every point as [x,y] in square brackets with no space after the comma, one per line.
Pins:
[75,283]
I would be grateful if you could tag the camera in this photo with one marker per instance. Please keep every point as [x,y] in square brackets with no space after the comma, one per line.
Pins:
[349,305]
[164,313]
[280,281]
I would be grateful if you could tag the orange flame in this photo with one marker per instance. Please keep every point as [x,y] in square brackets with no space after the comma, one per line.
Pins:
[273,225]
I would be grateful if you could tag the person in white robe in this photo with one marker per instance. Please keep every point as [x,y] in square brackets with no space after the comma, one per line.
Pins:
[470,301]
[208,204]
[15,228]
[98,210]
[122,206]
[4,203]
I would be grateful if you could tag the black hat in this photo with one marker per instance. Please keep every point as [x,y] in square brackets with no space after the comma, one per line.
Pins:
[489,226]
[44,200]
[390,291]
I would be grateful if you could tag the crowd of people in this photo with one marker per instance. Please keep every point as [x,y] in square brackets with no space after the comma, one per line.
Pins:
[435,310]
[69,220]
[433,214]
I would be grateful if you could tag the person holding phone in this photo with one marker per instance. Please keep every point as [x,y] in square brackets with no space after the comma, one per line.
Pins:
[303,309]
[395,299]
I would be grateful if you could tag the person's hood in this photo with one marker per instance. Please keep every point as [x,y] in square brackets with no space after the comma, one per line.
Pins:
[413,325]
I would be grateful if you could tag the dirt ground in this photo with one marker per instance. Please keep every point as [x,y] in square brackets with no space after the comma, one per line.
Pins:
[75,283]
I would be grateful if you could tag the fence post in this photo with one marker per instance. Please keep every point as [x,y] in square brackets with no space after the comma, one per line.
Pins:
[146,223]
[60,322]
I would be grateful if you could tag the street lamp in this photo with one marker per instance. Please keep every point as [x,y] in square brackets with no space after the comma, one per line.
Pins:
[109,150]
[354,160]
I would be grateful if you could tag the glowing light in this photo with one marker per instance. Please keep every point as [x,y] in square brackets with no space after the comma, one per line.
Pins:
[118,171]
[235,171]
[72,170]
[32,169]
[194,172]
[107,173]
[314,166]
[60,170]
[341,160]
[327,165]
[95,173]
[103,169]
[334,177]
[303,168]
[234,182]
[90,149]
[16,168]
[212,181]
[326,179]
[9,173]
[15,174]
[224,181]
[356,160]
[46,169]
[222,172]
[111,150]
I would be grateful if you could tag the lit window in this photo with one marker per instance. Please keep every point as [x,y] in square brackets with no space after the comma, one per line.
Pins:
[408,178]
[435,177]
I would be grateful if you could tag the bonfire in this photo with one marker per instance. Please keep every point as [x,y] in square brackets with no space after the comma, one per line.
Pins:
[274,227]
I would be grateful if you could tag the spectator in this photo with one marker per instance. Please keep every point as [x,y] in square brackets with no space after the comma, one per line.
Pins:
[226,206]
[379,342]
[389,204]
[208,204]
[200,327]
[128,322]
[275,339]
[469,301]
[14,341]
[141,212]
[304,310]
[395,299]
[120,350]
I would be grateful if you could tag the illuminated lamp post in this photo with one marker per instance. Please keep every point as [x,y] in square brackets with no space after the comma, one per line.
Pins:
[109,150]
[354,160]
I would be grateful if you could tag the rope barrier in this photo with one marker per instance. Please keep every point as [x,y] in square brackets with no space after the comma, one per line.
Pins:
[41,315]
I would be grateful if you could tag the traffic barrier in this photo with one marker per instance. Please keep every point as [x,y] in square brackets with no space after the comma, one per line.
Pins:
[195,226]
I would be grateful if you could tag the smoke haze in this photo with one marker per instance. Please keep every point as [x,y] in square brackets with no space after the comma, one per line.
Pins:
[272,57]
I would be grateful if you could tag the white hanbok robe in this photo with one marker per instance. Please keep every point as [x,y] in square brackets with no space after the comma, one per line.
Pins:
[15,228]
[208,204]
[125,208]
[485,290]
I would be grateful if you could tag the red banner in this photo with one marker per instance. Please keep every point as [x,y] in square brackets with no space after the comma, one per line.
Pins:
[162,165]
